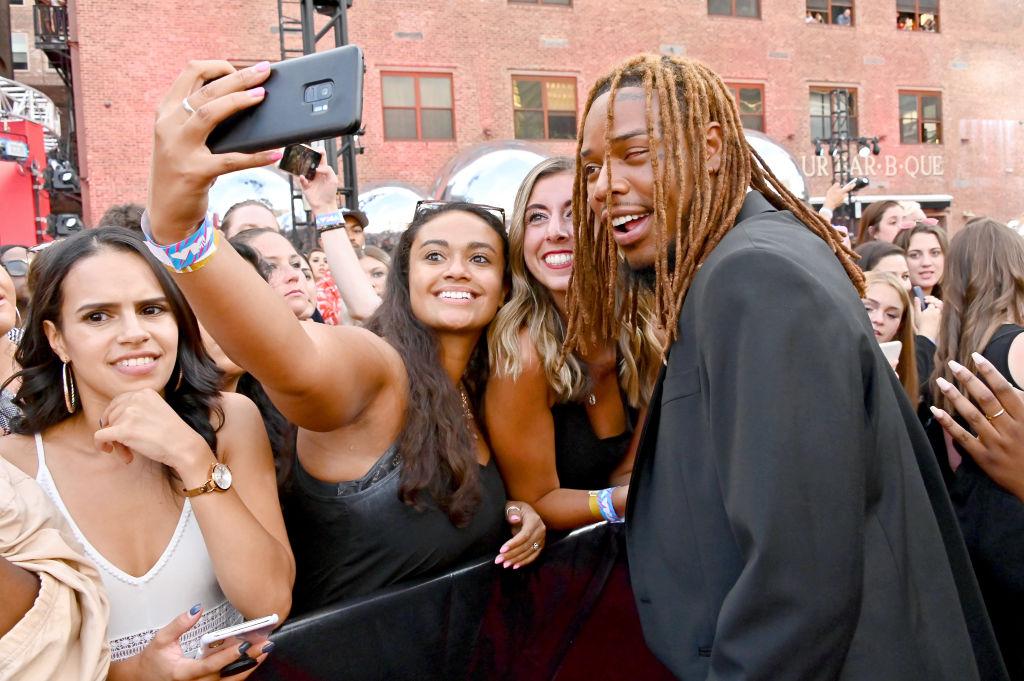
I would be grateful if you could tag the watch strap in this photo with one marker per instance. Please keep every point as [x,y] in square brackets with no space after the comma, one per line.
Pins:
[208,486]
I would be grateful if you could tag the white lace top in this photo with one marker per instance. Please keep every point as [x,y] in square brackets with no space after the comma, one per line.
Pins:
[139,606]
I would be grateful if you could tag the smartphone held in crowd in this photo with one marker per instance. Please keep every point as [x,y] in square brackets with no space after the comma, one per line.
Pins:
[812,433]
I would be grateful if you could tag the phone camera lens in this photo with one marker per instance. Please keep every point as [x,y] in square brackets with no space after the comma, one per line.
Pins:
[326,91]
[310,94]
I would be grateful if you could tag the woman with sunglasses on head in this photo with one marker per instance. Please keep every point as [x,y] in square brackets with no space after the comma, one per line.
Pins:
[166,482]
[393,478]
[561,428]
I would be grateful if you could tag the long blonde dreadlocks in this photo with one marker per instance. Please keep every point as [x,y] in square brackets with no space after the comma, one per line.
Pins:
[690,96]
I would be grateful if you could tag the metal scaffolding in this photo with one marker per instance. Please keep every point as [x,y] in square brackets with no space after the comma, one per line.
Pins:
[299,35]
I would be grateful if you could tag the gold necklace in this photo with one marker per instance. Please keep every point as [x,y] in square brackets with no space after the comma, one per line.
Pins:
[470,419]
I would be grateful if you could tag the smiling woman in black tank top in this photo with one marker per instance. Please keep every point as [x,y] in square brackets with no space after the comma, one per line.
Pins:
[983,312]
[560,430]
[394,400]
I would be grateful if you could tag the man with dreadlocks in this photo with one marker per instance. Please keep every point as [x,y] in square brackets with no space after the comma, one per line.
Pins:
[786,517]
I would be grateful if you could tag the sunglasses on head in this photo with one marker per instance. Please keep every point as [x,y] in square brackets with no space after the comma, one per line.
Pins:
[429,206]
[16,268]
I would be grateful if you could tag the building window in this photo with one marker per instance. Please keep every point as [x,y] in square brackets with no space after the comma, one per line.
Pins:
[564,3]
[917,15]
[735,8]
[19,50]
[920,118]
[418,106]
[750,102]
[838,12]
[821,112]
[544,108]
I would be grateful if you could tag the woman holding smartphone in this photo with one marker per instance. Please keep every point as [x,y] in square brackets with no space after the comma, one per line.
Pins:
[167,483]
[562,429]
[393,478]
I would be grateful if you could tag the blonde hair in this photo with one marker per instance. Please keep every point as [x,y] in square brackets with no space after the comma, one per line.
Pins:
[532,307]
[907,367]
[691,96]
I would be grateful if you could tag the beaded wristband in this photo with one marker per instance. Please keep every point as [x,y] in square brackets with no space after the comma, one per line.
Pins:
[604,501]
[189,254]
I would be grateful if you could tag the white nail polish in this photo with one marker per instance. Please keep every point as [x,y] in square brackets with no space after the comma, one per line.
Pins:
[956,367]
[943,383]
[978,359]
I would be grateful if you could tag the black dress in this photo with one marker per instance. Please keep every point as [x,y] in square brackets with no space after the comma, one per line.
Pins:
[992,521]
[355,537]
[583,460]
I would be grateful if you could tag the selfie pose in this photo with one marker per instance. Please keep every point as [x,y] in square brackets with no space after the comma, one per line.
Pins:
[562,428]
[393,478]
[786,518]
[167,483]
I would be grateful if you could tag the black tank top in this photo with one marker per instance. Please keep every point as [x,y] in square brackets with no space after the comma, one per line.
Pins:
[583,460]
[992,521]
[352,538]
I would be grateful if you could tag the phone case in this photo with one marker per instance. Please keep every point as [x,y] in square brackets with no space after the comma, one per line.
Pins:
[286,116]
[251,631]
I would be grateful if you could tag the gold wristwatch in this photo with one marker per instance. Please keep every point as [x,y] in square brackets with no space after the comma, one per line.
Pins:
[219,481]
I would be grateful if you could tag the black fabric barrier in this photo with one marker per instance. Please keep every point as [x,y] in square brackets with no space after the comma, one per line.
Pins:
[569,616]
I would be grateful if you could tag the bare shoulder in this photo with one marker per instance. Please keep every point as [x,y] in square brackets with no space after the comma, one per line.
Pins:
[528,354]
[20,450]
[240,413]
[1016,360]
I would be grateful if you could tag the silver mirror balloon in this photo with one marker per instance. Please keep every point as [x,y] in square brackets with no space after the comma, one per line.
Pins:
[389,207]
[488,173]
[780,162]
[267,184]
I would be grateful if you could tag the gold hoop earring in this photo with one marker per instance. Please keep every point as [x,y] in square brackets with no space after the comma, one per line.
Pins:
[70,398]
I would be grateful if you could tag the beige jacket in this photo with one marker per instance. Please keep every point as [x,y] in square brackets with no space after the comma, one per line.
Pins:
[64,635]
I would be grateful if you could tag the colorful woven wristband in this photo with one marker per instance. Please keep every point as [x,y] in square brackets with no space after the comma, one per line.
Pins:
[604,501]
[189,254]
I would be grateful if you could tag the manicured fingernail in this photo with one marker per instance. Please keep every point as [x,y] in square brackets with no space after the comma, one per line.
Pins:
[244,648]
[194,610]
[262,67]
[267,647]
[506,564]
[516,566]
[978,359]
[943,383]
[257,92]
[514,519]
[504,549]
[276,156]
[498,560]
[935,410]
[956,367]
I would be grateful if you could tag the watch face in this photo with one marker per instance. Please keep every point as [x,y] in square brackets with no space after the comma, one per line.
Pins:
[222,476]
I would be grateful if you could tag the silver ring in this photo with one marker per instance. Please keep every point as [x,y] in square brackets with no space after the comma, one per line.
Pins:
[188,107]
[513,509]
[536,546]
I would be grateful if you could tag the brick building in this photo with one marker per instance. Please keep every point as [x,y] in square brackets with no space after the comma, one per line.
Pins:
[443,75]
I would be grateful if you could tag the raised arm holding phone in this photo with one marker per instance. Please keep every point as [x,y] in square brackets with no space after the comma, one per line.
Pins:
[387,417]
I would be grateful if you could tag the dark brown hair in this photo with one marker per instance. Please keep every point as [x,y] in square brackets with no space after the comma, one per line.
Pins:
[41,398]
[436,444]
[873,251]
[903,241]
[691,96]
[870,218]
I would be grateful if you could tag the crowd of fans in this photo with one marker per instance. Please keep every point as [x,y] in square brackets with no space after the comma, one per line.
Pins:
[288,430]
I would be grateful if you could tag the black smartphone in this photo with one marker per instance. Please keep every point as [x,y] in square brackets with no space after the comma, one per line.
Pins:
[919,294]
[308,98]
[300,160]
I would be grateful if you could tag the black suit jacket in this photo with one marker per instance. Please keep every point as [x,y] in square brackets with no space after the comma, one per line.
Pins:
[786,517]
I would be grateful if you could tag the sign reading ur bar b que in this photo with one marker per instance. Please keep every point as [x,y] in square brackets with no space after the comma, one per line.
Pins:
[885,165]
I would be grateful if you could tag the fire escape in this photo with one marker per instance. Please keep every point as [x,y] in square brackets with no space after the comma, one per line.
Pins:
[299,35]
[52,37]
